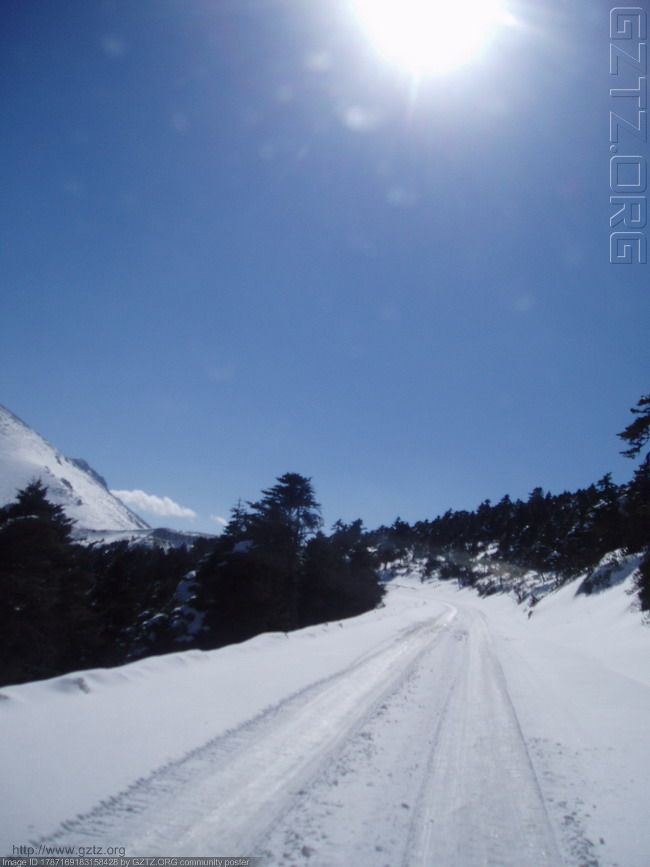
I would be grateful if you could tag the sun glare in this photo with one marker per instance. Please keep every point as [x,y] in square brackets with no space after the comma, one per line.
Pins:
[429,37]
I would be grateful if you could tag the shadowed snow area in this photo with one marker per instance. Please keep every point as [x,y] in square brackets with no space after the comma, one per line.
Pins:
[442,729]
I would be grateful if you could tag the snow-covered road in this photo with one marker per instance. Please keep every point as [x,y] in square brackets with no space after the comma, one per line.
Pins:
[447,737]
[435,774]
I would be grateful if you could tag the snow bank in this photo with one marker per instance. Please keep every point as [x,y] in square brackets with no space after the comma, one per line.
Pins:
[69,742]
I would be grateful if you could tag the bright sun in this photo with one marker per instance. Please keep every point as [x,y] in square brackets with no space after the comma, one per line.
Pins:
[426,37]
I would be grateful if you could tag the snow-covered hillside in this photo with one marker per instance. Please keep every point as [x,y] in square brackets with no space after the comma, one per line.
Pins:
[160,537]
[442,728]
[72,483]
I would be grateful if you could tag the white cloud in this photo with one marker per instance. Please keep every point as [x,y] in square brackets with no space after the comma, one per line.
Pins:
[219,520]
[141,501]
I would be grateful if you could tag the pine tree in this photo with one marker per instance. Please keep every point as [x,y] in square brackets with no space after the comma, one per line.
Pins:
[45,618]
[339,575]
[636,504]
[637,433]
[280,525]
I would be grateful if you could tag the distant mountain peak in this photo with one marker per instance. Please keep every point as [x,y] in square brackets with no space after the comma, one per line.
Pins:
[71,482]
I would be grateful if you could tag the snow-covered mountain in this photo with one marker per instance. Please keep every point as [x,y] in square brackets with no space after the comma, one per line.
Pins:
[25,455]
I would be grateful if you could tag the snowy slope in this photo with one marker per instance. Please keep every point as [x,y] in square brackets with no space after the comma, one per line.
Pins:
[440,729]
[160,537]
[25,456]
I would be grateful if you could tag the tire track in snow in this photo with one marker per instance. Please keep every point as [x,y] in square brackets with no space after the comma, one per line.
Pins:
[481,803]
[225,795]
[438,775]
[412,756]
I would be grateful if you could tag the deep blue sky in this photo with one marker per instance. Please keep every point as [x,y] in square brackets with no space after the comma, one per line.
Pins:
[237,242]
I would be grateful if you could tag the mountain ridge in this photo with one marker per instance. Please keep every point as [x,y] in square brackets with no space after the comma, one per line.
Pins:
[25,455]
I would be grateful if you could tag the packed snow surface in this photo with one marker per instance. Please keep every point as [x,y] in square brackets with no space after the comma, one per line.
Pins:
[442,729]
[25,456]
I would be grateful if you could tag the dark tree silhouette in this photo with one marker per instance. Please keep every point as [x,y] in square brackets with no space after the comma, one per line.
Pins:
[46,624]
[280,525]
[637,433]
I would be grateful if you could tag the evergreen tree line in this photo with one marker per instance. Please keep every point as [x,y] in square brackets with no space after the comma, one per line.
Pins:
[65,606]
[563,534]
